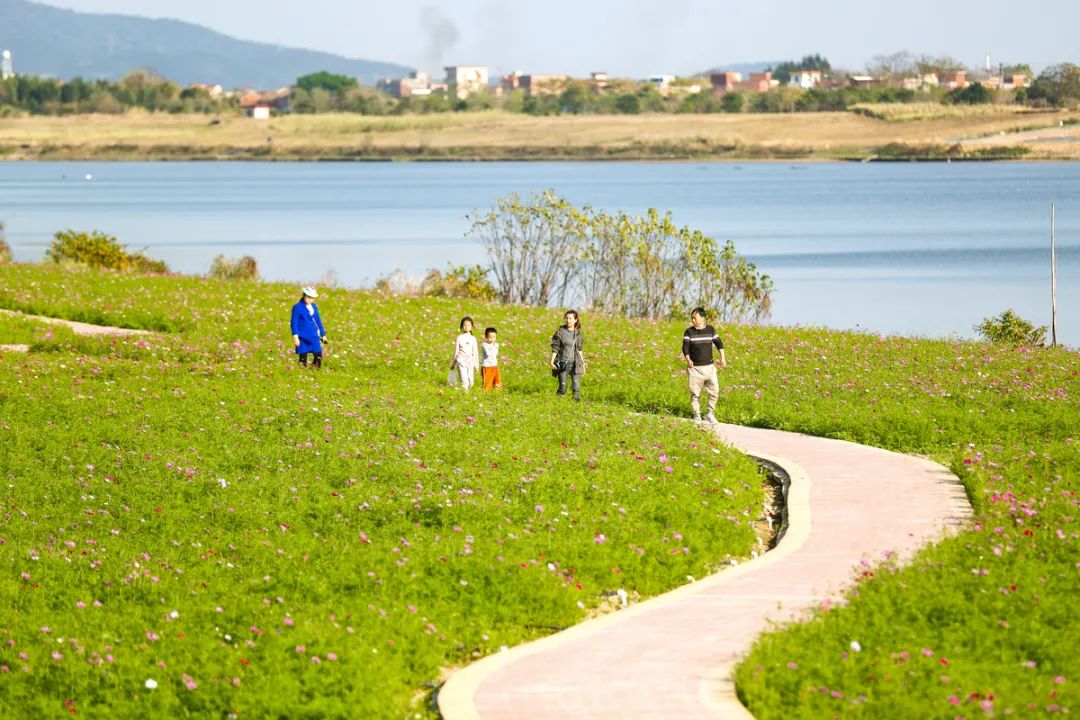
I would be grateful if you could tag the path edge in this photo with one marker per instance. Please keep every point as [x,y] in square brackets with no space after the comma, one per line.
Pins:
[78,327]
[456,697]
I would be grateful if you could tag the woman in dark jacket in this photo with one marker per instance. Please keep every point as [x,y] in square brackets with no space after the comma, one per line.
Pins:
[307,328]
[567,354]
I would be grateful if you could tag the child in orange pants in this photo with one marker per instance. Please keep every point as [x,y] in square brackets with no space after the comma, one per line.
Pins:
[489,360]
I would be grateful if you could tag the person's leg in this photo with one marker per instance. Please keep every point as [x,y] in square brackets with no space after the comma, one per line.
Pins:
[496,377]
[317,361]
[696,382]
[577,387]
[563,377]
[467,379]
[487,375]
[303,358]
[712,388]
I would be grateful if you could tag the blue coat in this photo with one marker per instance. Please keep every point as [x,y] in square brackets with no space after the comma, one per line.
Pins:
[308,328]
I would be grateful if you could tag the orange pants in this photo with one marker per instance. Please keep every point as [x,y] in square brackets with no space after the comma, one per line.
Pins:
[492,377]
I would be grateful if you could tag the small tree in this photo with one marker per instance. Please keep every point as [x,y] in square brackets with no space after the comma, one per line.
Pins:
[975,94]
[1058,85]
[733,102]
[628,104]
[329,82]
[1009,328]
[533,246]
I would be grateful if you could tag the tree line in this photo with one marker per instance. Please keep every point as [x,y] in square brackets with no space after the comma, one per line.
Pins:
[1056,86]
[140,89]
[543,250]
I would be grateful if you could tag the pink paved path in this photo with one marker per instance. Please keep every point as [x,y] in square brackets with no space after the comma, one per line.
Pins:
[670,657]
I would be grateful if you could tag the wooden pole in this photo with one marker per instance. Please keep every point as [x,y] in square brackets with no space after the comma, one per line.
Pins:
[1053,277]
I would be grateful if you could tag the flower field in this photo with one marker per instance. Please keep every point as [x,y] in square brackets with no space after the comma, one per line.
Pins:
[194,526]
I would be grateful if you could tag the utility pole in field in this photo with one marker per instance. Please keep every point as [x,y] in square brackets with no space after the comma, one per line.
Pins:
[1053,277]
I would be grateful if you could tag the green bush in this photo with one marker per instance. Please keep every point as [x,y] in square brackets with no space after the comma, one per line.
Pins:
[5,249]
[459,281]
[1009,328]
[975,94]
[244,268]
[99,250]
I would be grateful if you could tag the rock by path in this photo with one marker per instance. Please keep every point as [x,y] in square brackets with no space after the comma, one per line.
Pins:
[672,656]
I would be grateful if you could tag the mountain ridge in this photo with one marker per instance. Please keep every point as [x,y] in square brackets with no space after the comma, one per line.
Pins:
[57,42]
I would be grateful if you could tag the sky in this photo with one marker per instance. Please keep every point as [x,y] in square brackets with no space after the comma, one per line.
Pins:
[635,38]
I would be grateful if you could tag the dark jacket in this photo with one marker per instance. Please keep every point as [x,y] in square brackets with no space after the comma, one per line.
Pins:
[308,328]
[567,345]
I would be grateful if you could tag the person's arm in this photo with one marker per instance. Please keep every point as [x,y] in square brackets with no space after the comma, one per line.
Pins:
[556,346]
[318,321]
[720,346]
[686,350]
[475,353]
[294,327]
[453,356]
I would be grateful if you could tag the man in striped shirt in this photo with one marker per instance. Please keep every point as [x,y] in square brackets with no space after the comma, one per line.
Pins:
[697,345]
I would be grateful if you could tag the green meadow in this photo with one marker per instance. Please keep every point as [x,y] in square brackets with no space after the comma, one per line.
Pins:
[195,526]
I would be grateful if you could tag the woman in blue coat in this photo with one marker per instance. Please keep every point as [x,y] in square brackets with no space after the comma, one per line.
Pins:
[307,328]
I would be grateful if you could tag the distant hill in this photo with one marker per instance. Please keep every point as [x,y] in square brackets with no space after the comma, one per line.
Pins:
[744,68]
[63,43]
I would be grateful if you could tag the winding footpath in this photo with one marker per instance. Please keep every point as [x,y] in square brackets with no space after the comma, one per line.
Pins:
[672,656]
[79,328]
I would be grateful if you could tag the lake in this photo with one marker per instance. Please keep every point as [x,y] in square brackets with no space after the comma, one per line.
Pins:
[922,249]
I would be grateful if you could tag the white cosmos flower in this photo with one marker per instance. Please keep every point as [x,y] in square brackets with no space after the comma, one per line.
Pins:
[855,646]
[151,684]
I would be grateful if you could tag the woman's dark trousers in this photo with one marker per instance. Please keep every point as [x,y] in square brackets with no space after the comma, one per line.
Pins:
[567,377]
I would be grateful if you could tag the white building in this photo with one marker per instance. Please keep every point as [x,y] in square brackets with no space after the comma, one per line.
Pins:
[805,79]
[7,68]
[465,79]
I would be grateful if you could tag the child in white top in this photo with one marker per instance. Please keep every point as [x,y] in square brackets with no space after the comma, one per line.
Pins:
[466,355]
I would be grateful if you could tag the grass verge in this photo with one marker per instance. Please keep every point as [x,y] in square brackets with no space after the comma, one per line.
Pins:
[982,624]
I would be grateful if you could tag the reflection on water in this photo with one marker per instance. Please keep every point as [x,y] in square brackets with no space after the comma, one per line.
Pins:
[928,249]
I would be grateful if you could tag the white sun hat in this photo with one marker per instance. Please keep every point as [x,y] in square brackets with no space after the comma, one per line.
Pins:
[311,292]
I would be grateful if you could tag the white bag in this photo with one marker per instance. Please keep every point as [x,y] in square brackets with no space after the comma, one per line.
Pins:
[452,378]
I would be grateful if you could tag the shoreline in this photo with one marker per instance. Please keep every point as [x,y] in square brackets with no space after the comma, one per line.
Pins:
[1010,153]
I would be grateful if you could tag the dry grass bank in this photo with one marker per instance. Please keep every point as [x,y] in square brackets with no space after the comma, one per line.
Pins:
[497,135]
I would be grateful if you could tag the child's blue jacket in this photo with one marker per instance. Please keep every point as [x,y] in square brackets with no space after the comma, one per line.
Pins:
[308,328]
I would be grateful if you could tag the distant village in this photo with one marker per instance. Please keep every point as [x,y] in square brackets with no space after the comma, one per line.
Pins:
[460,82]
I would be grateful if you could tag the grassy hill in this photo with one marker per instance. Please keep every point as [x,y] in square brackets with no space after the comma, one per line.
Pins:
[62,43]
[192,509]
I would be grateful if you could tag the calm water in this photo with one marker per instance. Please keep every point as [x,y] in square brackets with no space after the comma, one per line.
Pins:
[926,249]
